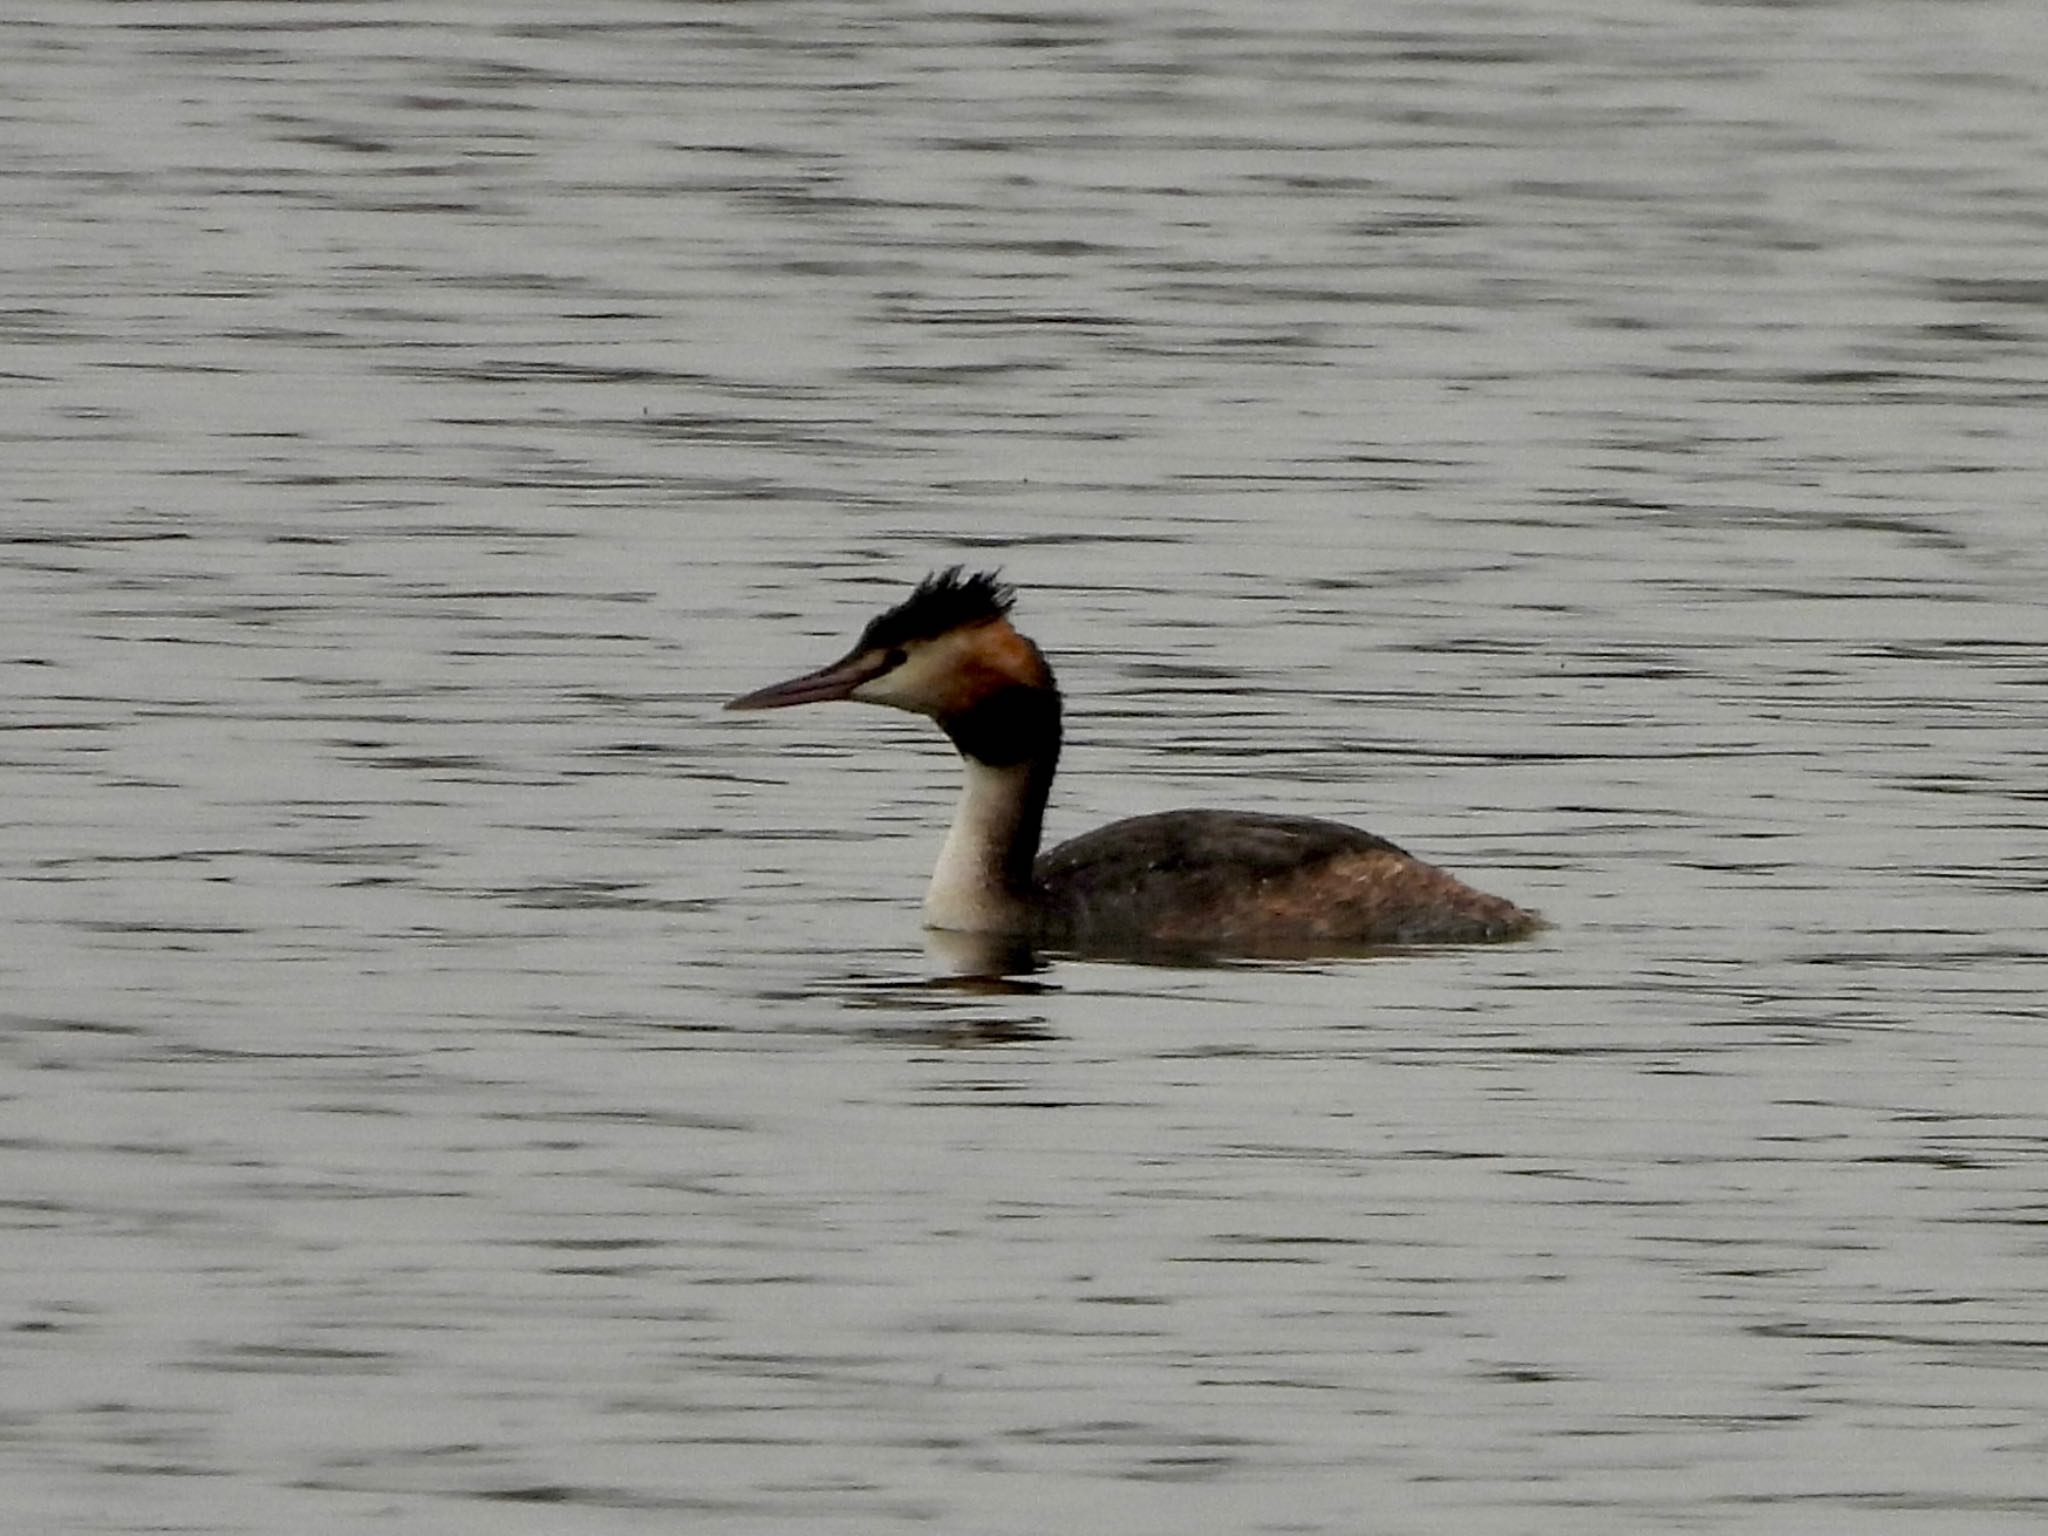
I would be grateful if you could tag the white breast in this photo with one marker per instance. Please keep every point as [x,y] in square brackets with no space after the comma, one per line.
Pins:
[967,894]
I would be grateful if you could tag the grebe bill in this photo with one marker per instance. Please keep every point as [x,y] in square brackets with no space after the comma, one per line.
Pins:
[1199,880]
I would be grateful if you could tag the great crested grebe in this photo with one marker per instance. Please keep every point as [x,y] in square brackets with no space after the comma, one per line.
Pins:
[1215,881]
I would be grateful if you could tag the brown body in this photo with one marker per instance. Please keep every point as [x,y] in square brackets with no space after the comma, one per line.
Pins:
[1243,883]
[1221,882]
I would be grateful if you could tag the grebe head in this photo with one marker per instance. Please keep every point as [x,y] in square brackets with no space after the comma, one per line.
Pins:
[942,651]
[948,652]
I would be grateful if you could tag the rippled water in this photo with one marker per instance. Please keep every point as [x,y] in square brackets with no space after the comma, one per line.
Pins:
[457,1080]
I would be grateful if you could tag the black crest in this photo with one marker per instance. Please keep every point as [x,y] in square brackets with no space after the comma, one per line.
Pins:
[944,601]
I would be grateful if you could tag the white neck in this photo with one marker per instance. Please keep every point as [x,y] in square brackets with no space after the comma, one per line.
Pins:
[976,886]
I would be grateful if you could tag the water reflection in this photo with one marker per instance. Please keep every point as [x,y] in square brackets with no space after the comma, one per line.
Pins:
[995,958]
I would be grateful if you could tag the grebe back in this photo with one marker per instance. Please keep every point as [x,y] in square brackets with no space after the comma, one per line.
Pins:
[1200,880]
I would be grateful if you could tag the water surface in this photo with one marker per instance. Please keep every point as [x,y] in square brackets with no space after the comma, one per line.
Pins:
[459,1080]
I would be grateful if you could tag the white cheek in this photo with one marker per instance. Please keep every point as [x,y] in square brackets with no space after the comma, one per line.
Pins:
[919,685]
[887,689]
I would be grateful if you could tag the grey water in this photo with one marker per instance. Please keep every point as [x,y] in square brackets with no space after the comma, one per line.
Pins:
[458,1080]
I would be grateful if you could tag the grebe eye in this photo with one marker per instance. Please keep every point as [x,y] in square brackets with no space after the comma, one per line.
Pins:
[894,657]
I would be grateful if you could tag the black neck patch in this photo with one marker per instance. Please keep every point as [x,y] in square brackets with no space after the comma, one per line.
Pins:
[1015,725]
